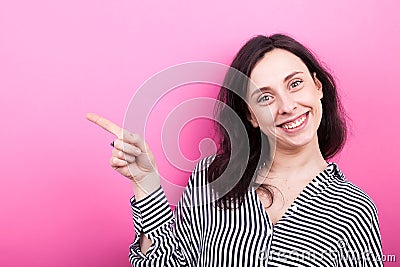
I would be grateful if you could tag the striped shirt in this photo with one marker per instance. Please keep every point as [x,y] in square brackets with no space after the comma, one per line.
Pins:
[331,223]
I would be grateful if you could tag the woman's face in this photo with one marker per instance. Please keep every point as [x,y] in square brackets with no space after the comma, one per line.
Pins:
[286,103]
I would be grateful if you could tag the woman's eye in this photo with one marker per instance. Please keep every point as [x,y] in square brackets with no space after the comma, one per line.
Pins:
[264,98]
[295,84]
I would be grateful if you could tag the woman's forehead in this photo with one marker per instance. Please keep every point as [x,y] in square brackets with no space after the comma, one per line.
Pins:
[276,65]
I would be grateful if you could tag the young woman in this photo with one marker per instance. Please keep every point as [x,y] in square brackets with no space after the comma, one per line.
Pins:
[290,206]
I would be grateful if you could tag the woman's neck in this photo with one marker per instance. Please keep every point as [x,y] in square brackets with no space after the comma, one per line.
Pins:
[299,163]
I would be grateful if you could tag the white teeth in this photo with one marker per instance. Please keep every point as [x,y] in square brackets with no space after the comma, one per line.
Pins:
[295,124]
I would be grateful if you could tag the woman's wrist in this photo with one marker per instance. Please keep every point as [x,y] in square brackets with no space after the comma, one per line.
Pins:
[149,184]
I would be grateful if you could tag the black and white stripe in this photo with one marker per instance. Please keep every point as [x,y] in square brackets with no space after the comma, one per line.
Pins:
[331,223]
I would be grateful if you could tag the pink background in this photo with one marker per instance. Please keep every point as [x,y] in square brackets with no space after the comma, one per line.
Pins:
[60,202]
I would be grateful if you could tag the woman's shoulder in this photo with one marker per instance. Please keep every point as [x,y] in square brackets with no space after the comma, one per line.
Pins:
[351,195]
[198,178]
[204,163]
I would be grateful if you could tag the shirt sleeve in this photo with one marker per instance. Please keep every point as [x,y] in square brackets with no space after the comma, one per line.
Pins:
[365,247]
[374,254]
[171,233]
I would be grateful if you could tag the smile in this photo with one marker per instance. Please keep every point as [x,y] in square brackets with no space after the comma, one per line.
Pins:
[296,123]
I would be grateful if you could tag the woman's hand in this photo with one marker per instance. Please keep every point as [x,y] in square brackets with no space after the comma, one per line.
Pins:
[131,155]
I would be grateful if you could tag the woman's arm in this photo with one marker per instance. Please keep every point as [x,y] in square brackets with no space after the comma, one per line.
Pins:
[141,193]
[365,249]
[375,243]
[156,242]
[169,238]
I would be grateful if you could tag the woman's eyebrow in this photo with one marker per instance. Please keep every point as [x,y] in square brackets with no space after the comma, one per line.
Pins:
[290,76]
[265,88]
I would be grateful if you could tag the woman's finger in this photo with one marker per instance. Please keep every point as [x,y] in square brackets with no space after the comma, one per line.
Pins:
[127,148]
[119,132]
[123,156]
[116,162]
[134,139]
[105,124]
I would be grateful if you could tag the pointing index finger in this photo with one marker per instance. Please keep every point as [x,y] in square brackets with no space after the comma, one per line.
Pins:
[105,124]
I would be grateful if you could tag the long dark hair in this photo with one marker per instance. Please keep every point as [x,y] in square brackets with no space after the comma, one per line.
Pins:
[233,146]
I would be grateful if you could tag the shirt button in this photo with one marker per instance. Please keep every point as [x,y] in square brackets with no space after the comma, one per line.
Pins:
[294,208]
[316,183]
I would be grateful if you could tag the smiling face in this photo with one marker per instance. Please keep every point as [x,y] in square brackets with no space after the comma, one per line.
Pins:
[286,103]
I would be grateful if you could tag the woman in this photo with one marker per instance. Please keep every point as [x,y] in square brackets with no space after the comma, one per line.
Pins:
[290,206]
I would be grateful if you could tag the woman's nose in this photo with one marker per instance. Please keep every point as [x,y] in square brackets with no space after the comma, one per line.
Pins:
[286,104]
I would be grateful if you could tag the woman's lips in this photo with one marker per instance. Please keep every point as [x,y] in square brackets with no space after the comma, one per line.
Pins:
[295,125]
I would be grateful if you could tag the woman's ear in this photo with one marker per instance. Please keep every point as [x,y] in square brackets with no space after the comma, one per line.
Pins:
[318,84]
[252,118]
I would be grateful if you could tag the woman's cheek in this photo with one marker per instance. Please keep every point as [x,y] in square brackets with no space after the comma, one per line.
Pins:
[266,123]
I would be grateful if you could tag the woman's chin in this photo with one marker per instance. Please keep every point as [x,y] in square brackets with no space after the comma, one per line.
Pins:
[296,142]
